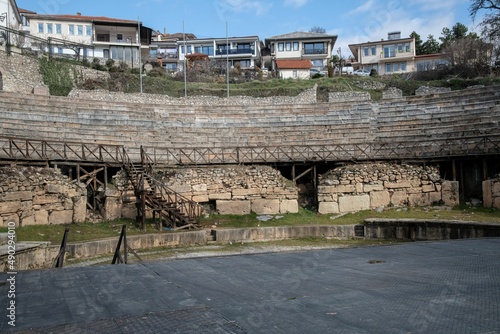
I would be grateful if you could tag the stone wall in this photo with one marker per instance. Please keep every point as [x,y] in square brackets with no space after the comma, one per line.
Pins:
[491,193]
[364,187]
[40,196]
[20,74]
[306,97]
[236,189]
[349,97]
[426,90]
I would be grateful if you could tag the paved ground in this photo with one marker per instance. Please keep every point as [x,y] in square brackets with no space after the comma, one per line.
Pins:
[428,287]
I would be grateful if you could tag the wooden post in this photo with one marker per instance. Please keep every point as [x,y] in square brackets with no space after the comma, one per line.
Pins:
[454,169]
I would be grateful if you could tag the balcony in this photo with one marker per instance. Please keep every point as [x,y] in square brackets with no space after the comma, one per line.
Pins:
[316,51]
[235,52]
[106,38]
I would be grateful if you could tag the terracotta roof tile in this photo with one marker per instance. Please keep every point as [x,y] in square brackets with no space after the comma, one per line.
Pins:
[294,64]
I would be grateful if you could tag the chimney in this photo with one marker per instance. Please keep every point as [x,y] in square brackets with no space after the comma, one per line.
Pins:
[164,31]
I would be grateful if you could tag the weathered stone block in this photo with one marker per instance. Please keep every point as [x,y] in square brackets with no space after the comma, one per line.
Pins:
[399,198]
[47,199]
[450,193]
[61,217]
[41,217]
[435,198]
[428,188]
[27,221]
[80,210]
[495,189]
[487,194]
[379,199]
[226,196]
[233,207]
[289,206]
[397,185]
[421,199]
[200,187]
[10,207]
[112,208]
[246,192]
[372,187]
[266,206]
[200,198]
[496,203]
[18,196]
[328,207]
[11,218]
[56,189]
[354,203]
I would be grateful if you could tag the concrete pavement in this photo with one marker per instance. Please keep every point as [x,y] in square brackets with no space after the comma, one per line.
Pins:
[424,287]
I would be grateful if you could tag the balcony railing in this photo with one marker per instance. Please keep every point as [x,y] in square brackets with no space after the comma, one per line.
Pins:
[315,51]
[108,39]
[235,52]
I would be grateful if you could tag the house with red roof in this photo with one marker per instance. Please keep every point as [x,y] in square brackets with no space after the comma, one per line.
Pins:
[289,54]
[89,36]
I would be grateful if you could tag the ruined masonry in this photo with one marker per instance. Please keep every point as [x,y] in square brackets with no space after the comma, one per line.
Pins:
[40,196]
[370,186]
[491,192]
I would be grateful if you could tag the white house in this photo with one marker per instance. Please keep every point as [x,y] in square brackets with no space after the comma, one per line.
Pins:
[9,19]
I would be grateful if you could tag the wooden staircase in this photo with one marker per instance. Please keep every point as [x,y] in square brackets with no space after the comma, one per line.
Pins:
[170,210]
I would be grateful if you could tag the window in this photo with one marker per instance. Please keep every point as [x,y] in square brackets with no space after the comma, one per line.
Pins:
[281,47]
[314,48]
[171,66]
[58,29]
[119,37]
[40,28]
[50,27]
[71,29]
[374,50]
[208,50]
[197,49]
[400,48]
[403,66]
[245,63]
[60,51]
[295,46]
[80,30]
[105,53]
[388,68]
[288,46]
[365,49]
[88,30]
[317,63]
[389,51]
[396,67]
[407,47]
[295,75]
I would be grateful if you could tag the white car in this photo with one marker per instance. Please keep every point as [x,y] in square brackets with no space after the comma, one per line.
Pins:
[361,73]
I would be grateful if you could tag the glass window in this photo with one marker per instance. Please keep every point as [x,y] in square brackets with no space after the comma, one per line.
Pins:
[389,51]
[314,48]
[388,67]
[407,47]
[366,50]
[60,51]
[295,75]
[403,66]
[208,50]
[295,46]
[80,30]
[281,47]
[49,28]
[119,37]
[317,63]
[288,46]
[400,47]
[40,28]
[374,50]
[396,67]
[105,53]
[197,49]
[88,30]
[71,29]
[58,29]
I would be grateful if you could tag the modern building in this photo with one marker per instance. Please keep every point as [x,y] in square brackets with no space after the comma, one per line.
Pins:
[90,36]
[394,55]
[298,47]
[431,62]
[242,52]
[164,49]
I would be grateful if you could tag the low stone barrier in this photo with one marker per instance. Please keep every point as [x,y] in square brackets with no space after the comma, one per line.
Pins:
[419,230]
[283,232]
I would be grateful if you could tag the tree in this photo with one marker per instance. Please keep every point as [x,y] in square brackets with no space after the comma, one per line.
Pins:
[470,57]
[318,30]
[418,43]
[430,46]
[458,31]
[491,21]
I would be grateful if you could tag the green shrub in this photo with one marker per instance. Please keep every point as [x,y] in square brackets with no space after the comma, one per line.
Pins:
[56,75]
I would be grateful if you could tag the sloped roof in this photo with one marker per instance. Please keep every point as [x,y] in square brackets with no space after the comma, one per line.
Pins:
[293,64]
[69,17]
[302,34]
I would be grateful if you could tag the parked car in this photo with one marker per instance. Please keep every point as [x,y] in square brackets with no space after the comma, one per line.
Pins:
[361,73]
[317,73]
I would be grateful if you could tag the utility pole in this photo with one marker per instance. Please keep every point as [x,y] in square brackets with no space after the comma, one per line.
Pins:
[185,64]
[140,55]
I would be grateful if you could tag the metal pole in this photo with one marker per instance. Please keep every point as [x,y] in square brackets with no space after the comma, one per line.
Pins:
[140,55]
[185,53]
[227,59]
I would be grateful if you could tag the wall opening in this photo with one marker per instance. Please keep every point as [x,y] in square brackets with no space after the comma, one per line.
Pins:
[1,80]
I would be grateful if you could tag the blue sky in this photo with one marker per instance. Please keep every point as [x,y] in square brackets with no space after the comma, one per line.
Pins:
[354,21]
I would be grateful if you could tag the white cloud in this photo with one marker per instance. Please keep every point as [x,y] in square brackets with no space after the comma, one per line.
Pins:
[367,6]
[295,3]
[241,6]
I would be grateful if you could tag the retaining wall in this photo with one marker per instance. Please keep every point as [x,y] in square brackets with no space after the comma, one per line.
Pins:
[491,193]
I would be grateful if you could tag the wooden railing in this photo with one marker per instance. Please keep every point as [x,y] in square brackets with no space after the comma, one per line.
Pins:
[42,150]
[381,150]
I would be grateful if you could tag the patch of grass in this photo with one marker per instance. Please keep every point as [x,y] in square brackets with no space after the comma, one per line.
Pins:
[307,217]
